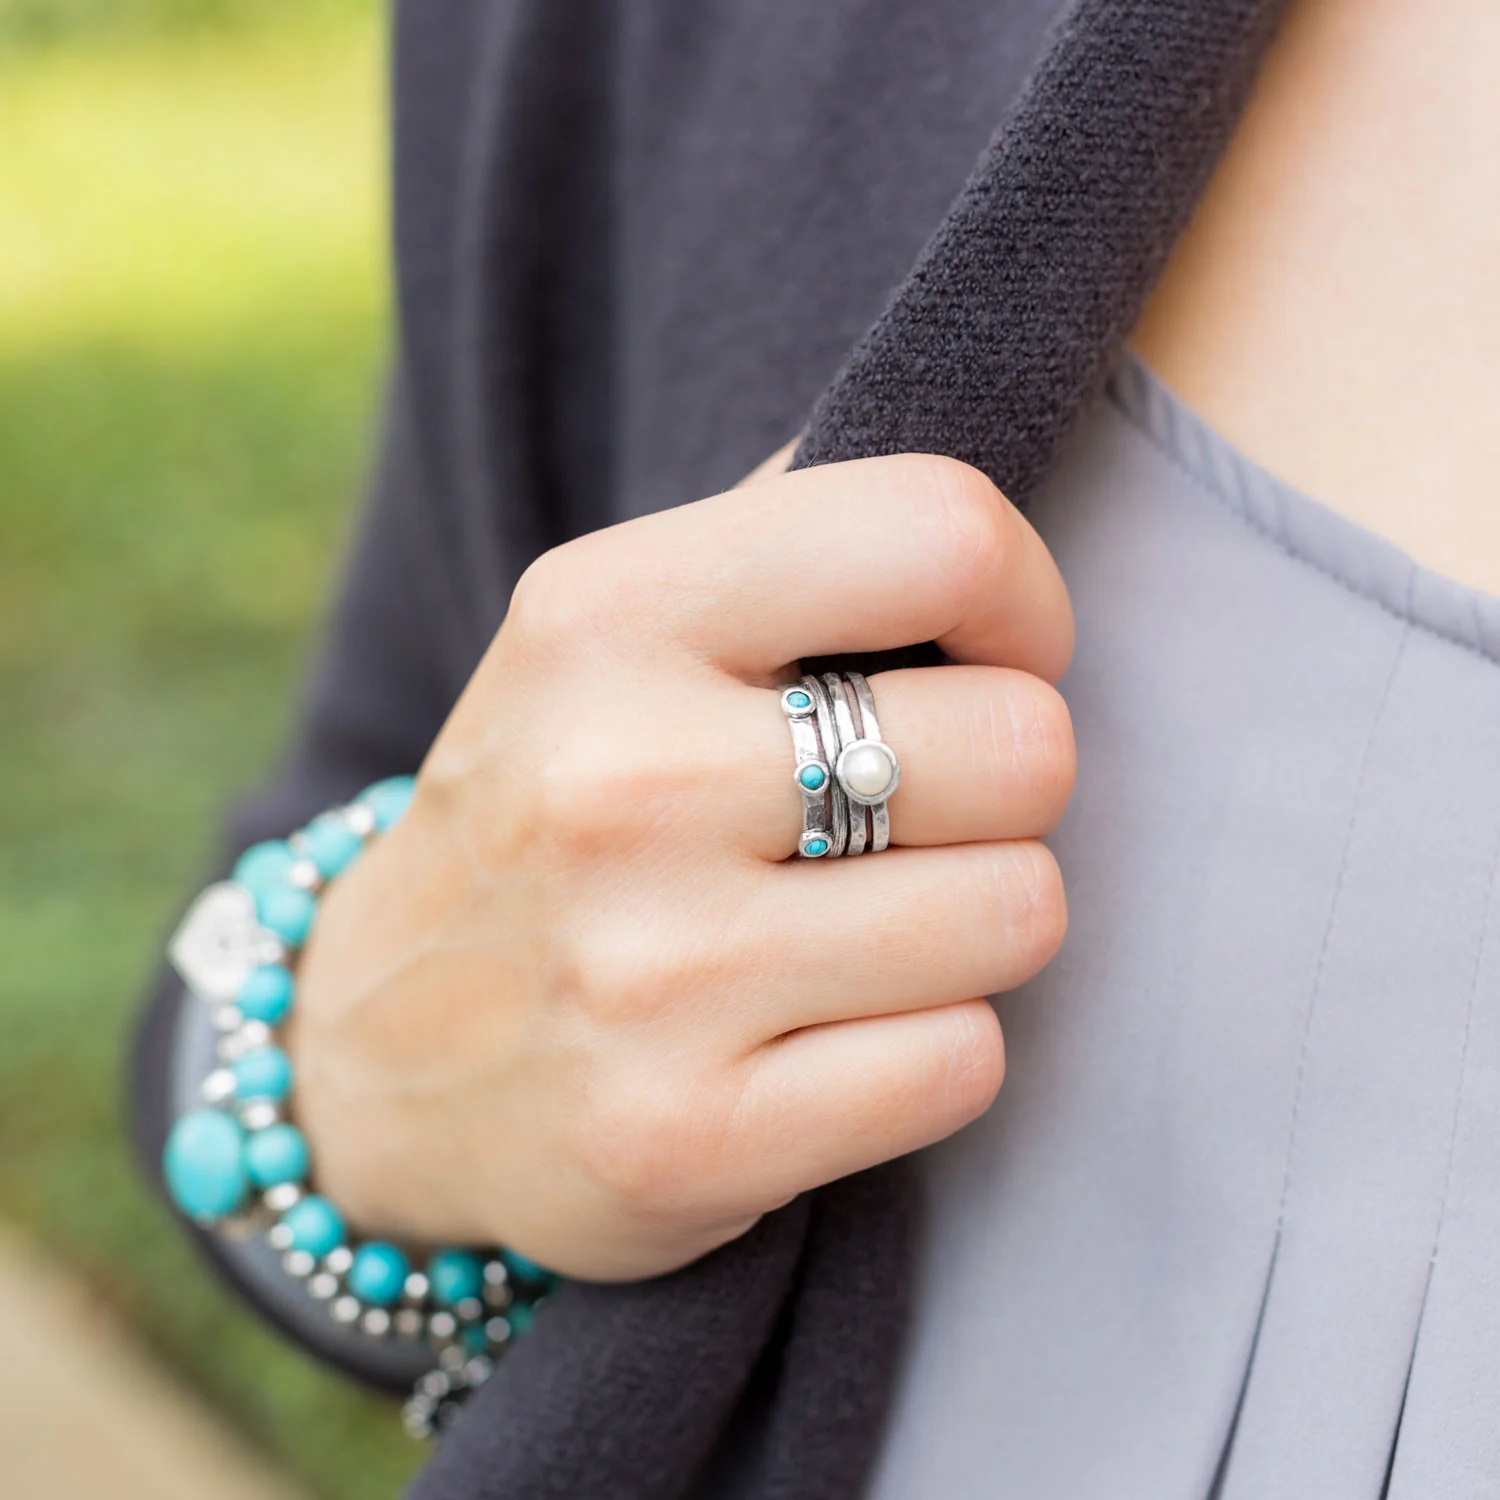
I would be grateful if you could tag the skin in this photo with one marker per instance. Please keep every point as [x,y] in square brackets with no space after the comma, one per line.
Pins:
[581,1001]
[1332,309]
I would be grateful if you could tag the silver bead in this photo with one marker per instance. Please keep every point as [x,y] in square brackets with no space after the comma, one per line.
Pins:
[338,1260]
[452,1358]
[496,1273]
[497,1331]
[478,1370]
[468,1310]
[298,1263]
[442,1325]
[416,1423]
[434,1385]
[219,1086]
[324,1286]
[280,1236]
[257,1114]
[250,1037]
[497,1285]
[283,1196]
[303,874]
[345,1309]
[227,1018]
[409,1323]
[359,819]
[416,1289]
[376,1322]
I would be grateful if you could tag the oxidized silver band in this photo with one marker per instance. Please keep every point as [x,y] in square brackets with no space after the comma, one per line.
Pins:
[838,804]
[847,727]
[880,817]
[812,772]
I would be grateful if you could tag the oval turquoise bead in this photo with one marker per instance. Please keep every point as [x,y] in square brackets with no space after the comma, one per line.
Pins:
[275,1155]
[816,847]
[812,777]
[798,699]
[378,1273]
[454,1275]
[266,995]
[265,1073]
[315,1226]
[330,844]
[288,911]
[389,799]
[263,866]
[204,1164]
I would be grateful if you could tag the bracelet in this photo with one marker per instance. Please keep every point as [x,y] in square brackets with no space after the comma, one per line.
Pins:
[238,1166]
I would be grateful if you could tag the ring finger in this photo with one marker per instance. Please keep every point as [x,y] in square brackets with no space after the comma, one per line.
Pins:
[986,755]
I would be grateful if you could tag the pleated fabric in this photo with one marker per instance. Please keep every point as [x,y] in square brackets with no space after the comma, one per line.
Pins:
[1229,1231]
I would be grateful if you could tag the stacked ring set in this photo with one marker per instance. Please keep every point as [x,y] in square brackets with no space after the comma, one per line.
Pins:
[240,1167]
[844,770]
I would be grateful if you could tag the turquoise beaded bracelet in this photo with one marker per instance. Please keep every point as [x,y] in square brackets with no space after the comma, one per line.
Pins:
[238,1166]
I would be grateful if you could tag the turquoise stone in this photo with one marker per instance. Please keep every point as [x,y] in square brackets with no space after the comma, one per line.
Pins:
[315,1225]
[520,1316]
[812,777]
[454,1275]
[288,911]
[265,1073]
[388,799]
[798,700]
[330,844]
[378,1273]
[263,866]
[266,995]
[275,1155]
[525,1270]
[815,847]
[204,1164]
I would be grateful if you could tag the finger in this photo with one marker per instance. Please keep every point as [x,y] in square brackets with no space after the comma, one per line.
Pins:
[836,1099]
[910,929]
[986,755]
[860,556]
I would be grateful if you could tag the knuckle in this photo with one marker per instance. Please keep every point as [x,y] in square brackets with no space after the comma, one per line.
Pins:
[652,1142]
[967,518]
[591,799]
[974,1060]
[1024,885]
[542,603]
[1042,753]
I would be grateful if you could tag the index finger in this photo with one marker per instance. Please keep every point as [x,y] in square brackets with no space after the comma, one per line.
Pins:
[862,556]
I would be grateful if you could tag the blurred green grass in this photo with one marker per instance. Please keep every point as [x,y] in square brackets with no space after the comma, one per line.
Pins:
[192,306]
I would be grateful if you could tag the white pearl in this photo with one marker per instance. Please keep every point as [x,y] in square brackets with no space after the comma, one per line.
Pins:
[866,770]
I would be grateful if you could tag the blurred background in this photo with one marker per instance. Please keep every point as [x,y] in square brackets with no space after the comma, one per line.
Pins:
[193,316]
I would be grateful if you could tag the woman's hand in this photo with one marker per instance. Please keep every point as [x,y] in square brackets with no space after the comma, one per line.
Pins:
[581,1001]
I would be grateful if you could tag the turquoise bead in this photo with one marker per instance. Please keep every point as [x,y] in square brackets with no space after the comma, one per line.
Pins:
[330,844]
[288,911]
[524,1269]
[454,1275]
[266,995]
[263,866]
[265,1073]
[315,1225]
[378,1273]
[798,699]
[275,1155]
[815,847]
[204,1164]
[388,799]
[812,777]
[520,1316]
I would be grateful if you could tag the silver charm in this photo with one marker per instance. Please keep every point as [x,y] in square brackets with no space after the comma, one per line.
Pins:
[219,942]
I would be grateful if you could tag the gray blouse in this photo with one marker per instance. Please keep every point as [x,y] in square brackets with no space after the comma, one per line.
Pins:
[1232,1229]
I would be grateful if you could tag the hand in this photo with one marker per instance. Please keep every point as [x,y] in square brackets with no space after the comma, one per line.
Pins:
[581,1001]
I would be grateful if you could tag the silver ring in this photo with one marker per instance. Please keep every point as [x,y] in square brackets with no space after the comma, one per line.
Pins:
[880,817]
[847,727]
[812,773]
[838,804]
